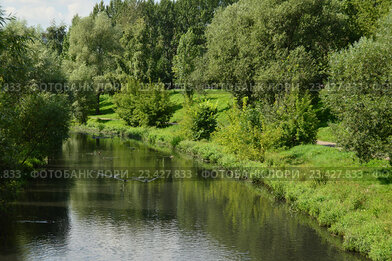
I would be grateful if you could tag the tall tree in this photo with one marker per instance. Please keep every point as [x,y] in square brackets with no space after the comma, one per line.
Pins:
[246,38]
[93,43]
[33,121]
[359,93]
[55,36]
[189,50]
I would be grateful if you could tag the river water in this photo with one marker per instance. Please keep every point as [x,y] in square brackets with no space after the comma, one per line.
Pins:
[175,217]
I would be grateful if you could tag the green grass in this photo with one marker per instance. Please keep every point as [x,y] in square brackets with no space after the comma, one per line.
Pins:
[222,99]
[358,210]
[320,156]
[326,134]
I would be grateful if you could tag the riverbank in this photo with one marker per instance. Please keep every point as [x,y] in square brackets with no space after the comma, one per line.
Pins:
[336,189]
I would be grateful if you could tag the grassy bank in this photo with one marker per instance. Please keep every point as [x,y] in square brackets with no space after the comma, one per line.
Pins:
[354,205]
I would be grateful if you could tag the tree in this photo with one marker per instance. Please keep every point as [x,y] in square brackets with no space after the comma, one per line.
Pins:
[196,13]
[359,93]
[33,121]
[44,125]
[15,59]
[148,42]
[200,119]
[246,38]
[185,61]
[55,36]
[93,43]
[365,14]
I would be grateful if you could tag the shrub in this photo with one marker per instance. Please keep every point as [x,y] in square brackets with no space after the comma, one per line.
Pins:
[200,120]
[289,122]
[242,136]
[144,104]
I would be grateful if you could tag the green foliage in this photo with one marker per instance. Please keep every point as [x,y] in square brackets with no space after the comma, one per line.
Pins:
[200,119]
[291,70]
[152,33]
[14,56]
[291,121]
[242,136]
[144,104]
[55,36]
[33,128]
[44,122]
[184,64]
[248,38]
[32,123]
[147,42]
[359,93]
[93,43]
[365,14]
[82,93]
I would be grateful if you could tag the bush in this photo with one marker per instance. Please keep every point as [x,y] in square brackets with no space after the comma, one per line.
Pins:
[200,120]
[144,104]
[291,121]
[242,136]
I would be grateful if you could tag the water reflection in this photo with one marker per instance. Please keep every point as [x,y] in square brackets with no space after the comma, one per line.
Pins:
[168,219]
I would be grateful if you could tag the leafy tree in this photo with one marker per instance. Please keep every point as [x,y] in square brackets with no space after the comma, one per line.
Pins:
[242,135]
[33,122]
[247,38]
[28,61]
[55,36]
[197,13]
[147,42]
[359,93]
[93,42]
[46,71]
[114,10]
[15,59]
[188,52]
[152,31]
[294,70]
[365,14]
[44,124]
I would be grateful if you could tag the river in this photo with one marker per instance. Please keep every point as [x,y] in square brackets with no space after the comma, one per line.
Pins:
[175,217]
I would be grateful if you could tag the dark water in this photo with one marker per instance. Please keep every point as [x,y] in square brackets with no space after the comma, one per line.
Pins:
[167,219]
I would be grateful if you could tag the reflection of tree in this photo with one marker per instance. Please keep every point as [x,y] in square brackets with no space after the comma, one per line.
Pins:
[39,215]
[237,215]
[229,212]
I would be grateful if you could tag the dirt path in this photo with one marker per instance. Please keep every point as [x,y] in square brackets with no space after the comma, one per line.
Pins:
[326,144]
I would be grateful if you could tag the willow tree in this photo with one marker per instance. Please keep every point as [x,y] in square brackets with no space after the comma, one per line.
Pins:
[359,93]
[247,38]
[34,121]
[93,43]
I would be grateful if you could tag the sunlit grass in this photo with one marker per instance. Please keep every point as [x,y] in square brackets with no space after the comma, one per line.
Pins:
[326,134]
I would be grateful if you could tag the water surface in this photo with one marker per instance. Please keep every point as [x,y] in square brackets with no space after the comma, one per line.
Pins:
[167,219]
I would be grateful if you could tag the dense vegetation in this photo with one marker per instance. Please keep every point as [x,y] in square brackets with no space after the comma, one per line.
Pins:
[291,67]
[34,120]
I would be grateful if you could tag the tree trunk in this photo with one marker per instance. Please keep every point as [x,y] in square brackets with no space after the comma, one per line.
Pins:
[97,112]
